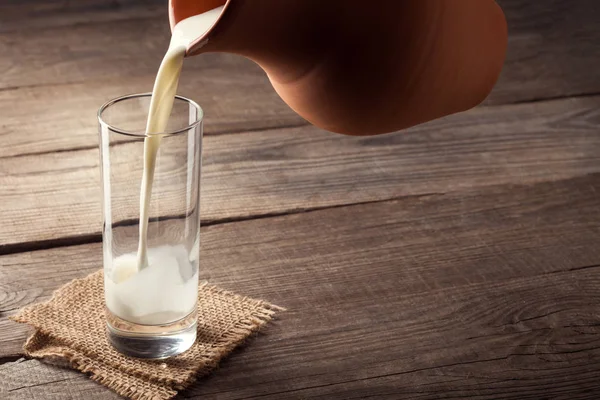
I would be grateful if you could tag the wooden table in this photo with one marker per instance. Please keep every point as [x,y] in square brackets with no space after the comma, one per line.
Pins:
[457,259]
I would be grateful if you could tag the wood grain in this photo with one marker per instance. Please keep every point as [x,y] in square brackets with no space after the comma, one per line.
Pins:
[82,52]
[490,293]
[23,15]
[89,52]
[108,57]
[458,259]
[290,170]
[107,60]
[552,51]
[462,342]
[33,380]
[527,354]
[235,99]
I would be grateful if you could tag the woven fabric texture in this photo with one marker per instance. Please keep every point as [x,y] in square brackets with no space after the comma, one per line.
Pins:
[71,326]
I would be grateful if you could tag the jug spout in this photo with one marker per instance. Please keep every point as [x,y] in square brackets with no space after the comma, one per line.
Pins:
[182,9]
[262,30]
[360,68]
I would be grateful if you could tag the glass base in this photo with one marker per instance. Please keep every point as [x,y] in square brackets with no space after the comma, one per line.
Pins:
[151,341]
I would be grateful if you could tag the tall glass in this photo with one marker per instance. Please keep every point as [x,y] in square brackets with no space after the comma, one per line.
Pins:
[151,305]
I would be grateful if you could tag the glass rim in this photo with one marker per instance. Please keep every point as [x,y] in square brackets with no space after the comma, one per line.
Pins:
[143,134]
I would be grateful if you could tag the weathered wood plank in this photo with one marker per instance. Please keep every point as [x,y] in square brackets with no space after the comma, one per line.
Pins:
[543,61]
[552,51]
[108,60]
[82,52]
[270,172]
[234,98]
[94,52]
[423,243]
[418,349]
[33,380]
[490,293]
[486,294]
[519,339]
[23,15]
[235,93]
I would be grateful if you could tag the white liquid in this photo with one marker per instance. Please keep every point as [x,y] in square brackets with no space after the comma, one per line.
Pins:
[157,286]
[163,292]
[163,96]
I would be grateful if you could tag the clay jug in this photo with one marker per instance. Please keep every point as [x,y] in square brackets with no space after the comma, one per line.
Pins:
[363,67]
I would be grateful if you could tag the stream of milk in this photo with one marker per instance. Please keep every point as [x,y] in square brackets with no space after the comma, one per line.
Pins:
[158,285]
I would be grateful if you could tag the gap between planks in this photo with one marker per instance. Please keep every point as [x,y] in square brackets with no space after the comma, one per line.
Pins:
[78,240]
[215,133]
[458,295]
[291,170]
[294,125]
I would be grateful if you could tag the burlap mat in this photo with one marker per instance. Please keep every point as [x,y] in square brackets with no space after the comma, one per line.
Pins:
[71,326]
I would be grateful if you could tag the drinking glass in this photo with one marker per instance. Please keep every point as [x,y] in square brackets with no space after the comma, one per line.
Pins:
[151,309]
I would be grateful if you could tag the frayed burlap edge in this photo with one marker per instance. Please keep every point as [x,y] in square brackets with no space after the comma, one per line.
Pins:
[133,387]
[137,385]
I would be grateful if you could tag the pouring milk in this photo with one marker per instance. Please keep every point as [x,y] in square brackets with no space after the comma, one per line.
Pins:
[143,287]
